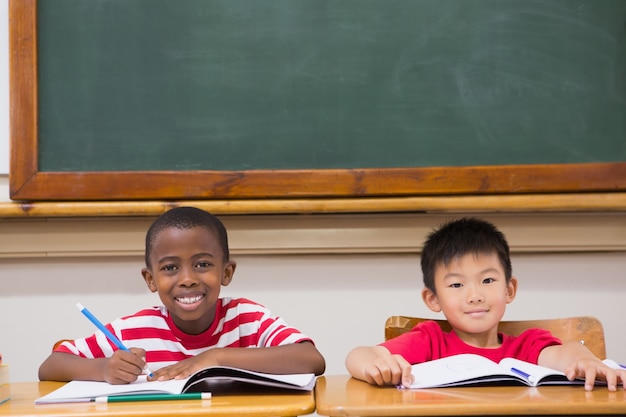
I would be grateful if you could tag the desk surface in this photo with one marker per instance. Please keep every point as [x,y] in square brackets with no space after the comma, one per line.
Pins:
[340,395]
[291,404]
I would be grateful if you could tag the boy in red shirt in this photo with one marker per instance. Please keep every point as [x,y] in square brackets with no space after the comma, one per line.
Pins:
[468,276]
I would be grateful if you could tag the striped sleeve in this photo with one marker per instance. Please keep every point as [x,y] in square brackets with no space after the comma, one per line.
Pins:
[94,346]
[137,330]
[245,323]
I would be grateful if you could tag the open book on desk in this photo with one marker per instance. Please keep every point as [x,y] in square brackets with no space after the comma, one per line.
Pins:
[222,379]
[469,369]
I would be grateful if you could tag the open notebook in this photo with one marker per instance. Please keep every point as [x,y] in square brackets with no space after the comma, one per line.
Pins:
[220,378]
[469,369]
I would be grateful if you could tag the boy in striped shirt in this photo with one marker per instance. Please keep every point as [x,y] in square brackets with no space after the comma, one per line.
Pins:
[187,262]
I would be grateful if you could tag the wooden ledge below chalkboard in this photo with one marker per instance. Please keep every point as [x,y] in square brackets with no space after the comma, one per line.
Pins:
[573,202]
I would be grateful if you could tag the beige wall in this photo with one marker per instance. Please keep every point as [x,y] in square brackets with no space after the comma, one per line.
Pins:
[337,277]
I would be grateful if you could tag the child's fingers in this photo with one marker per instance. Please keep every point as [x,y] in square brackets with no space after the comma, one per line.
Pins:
[590,378]
[138,351]
[407,377]
[122,367]
[134,356]
[384,372]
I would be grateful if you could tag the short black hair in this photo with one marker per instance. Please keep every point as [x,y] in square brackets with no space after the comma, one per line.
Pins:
[459,237]
[187,218]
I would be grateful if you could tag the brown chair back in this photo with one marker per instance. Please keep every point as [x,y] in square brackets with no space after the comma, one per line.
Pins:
[586,329]
[58,342]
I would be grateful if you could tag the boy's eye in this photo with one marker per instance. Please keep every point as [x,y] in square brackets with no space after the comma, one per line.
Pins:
[169,267]
[456,285]
[488,280]
[204,264]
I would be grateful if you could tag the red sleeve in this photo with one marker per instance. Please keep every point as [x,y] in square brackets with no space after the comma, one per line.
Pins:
[528,345]
[423,343]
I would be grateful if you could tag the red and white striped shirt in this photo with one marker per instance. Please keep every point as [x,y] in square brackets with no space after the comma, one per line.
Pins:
[238,323]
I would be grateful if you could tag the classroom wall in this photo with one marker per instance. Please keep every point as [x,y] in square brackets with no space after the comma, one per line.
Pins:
[566,264]
[340,297]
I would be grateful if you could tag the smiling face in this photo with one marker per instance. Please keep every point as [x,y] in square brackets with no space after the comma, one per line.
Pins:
[187,268]
[473,293]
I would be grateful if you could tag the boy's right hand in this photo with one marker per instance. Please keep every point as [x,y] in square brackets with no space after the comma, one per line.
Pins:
[389,370]
[124,367]
[377,366]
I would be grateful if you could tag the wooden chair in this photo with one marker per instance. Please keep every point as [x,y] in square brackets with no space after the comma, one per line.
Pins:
[58,342]
[586,329]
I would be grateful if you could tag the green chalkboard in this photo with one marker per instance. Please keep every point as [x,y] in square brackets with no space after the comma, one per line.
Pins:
[144,85]
[336,99]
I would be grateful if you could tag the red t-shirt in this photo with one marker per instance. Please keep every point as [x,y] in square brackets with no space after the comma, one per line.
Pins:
[426,342]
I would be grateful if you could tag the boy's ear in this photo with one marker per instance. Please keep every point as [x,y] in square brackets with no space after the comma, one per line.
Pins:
[147,276]
[229,271]
[511,290]
[431,301]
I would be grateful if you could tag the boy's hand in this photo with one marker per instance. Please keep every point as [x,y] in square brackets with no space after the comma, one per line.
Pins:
[186,367]
[592,369]
[124,367]
[388,370]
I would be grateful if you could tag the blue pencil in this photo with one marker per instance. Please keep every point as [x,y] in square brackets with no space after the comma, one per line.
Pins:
[117,342]
[523,374]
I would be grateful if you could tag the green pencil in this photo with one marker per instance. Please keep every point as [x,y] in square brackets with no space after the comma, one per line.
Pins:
[154,397]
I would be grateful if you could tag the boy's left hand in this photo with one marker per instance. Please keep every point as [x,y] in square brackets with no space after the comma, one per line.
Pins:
[592,369]
[185,368]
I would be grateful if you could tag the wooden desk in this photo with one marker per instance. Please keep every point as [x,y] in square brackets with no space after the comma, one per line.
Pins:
[340,395]
[23,396]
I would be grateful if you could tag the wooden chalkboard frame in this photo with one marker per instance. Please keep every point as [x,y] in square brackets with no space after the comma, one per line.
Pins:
[26,182]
